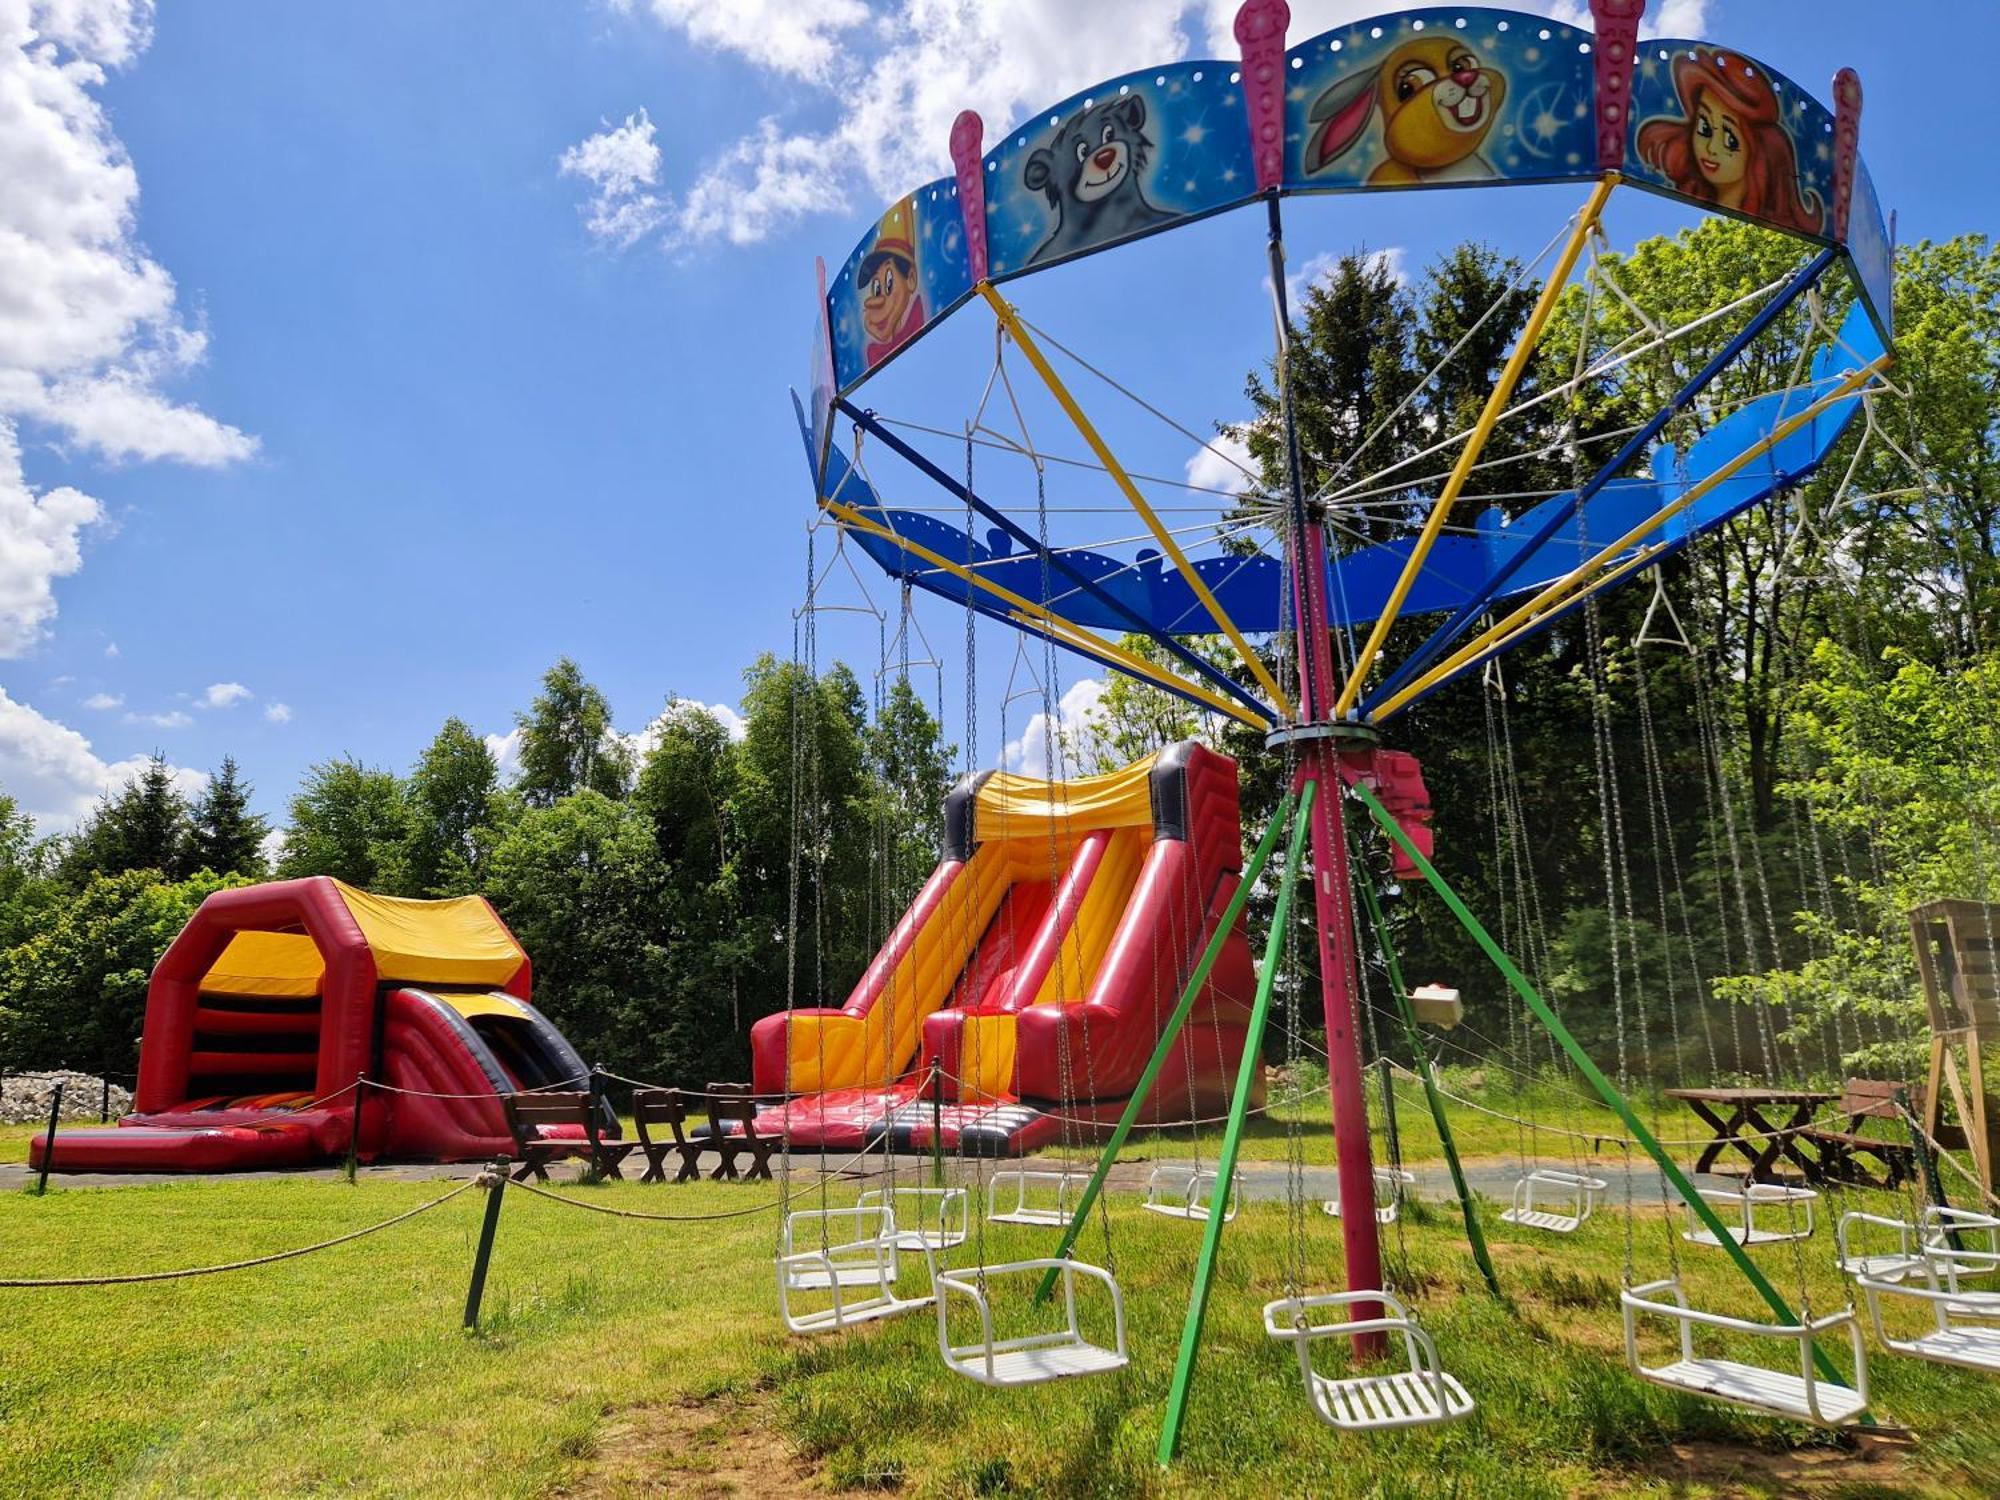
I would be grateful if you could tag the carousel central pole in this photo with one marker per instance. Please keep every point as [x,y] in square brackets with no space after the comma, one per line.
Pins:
[1320,739]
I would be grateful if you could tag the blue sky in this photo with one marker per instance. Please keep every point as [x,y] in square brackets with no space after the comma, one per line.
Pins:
[362,359]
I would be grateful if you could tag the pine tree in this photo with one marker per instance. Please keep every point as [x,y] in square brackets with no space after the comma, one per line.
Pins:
[227,838]
[144,827]
[567,742]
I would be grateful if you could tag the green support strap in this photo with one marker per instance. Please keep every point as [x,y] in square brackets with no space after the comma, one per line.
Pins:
[1669,1168]
[1415,1041]
[1232,1136]
[1164,1048]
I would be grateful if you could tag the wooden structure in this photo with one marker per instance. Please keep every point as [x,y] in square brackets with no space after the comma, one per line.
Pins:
[1738,1121]
[732,1132]
[1841,1151]
[673,1108]
[527,1113]
[1958,959]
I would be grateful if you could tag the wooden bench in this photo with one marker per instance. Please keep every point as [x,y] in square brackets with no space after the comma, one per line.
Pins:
[673,1108]
[734,1104]
[1841,1151]
[528,1113]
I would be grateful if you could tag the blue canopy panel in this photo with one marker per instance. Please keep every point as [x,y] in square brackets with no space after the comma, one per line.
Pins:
[1359,582]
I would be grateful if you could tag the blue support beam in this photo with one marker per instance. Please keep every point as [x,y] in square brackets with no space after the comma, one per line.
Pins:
[1442,638]
[1054,559]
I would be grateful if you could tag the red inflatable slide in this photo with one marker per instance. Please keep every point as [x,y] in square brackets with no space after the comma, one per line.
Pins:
[1031,978]
[275,998]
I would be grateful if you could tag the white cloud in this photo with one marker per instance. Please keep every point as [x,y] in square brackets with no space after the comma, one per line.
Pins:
[1318,268]
[55,775]
[1073,727]
[277,713]
[796,37]
[1220,466]
[223,695]
[763,182]
[111,650]
[622,165]
[103,702]
[41,540]
[273,846]
[89,322]
[506,752]
[897,74]
[172,718]
[894,104]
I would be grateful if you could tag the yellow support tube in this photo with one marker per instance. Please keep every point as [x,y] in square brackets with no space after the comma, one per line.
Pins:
[1018,332]
[1527,614]
[1027,611]
[1475,442]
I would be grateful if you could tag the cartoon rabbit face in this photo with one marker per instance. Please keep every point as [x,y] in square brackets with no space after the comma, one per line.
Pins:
[1438,102]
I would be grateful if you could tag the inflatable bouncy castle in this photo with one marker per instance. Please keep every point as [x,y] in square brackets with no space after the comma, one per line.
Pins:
[275,998]
[1031,978]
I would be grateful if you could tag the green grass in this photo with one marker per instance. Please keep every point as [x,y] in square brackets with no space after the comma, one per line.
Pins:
[622,1355]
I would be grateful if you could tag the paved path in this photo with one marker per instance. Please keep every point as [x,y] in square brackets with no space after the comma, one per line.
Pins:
[1262,1181]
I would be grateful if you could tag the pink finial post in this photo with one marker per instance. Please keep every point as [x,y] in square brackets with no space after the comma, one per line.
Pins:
[1614,56]
[1260,33]
[1846,145]
[968,145]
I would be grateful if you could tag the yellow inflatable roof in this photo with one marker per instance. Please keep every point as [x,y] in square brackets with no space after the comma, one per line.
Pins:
[457,941]
[1011,807]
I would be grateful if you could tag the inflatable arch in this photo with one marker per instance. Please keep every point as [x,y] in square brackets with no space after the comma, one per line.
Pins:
[275,998]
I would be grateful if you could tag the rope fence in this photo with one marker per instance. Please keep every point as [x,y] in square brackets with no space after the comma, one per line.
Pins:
[483,1179]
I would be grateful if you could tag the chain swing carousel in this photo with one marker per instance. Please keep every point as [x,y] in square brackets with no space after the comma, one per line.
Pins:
[1077,964]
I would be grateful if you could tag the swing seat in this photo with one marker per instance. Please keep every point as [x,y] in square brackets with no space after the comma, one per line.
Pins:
[1949,1341]
[925,1218]
[1419,1394]
[1953,1239]
[1182,1192]
[856,1270]
[1046,1200]
[1389,1185]
[1566,1200]
[1037,1357]
[1806,1396]
[1746,1201]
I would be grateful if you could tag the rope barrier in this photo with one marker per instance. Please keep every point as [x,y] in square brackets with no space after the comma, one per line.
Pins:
[484,1179]
[390,1088]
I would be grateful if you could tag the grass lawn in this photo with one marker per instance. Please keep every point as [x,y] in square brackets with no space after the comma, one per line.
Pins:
[627,1357]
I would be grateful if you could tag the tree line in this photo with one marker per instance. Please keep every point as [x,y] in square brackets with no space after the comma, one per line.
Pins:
[1697,809]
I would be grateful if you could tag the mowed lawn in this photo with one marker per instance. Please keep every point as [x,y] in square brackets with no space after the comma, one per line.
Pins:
[621,1356]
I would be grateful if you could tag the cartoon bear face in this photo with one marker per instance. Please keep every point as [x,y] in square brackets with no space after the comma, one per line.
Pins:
[1090,170]
[1093,155]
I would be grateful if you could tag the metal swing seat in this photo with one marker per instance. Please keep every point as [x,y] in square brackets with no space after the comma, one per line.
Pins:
[1183,1192]
[1746,1201]
[1805,1397]
[924,1218]
[1389,1185]
[1043,1199]
[854,1267]
[1555,1200]
[1032,1358]
[1957,1240]
[1419,1394]
[1963,1330]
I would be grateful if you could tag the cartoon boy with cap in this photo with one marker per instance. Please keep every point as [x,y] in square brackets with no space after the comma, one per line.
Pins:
[891,309]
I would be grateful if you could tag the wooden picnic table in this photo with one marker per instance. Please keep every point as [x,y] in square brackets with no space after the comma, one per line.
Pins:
[1738,1118]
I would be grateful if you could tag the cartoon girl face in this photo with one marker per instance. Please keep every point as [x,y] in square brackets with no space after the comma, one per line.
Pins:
[1718,150]
[886,299]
